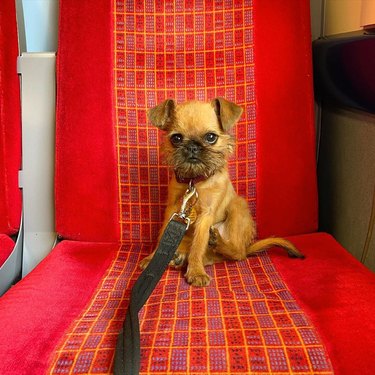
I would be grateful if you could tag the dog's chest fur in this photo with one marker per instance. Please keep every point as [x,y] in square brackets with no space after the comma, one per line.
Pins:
[212,198]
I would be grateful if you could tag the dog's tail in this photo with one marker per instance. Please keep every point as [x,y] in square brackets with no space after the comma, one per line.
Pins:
[267,243]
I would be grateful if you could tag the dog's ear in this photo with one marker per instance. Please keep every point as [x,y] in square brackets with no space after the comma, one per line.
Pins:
[163,114]
[227,112]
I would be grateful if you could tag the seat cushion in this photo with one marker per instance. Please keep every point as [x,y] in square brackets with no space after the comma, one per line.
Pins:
[266,314]
[36,312]
[338,294]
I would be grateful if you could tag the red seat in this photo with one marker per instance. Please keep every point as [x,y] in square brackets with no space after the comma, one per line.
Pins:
[268,314]
[10,134]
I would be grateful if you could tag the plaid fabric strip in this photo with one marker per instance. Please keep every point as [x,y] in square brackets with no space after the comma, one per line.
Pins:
[245,322]
[183,50]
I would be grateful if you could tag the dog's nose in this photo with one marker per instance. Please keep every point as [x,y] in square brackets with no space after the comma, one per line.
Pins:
[193,147]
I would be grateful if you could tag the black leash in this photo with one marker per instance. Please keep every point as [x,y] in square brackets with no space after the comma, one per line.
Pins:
[128,348]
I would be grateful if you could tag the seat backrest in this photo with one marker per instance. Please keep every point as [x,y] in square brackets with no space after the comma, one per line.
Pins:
[118,59]
[10,128]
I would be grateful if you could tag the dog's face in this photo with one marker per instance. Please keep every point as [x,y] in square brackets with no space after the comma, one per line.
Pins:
[198,143]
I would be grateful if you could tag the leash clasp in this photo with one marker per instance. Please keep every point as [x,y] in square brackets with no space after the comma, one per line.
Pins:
[186,205]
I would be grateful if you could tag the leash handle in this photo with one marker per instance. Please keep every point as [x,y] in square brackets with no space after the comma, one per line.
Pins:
[128,348]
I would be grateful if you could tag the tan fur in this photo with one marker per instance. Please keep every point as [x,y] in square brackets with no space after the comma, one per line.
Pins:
[224,227]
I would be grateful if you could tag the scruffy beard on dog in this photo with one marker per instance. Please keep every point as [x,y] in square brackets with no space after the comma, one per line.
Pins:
[198,146]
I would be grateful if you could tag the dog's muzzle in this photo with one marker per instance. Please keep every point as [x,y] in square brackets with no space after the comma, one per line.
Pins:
[193,150]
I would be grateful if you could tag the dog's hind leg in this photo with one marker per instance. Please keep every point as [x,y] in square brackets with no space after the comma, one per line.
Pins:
[235,237]
[231,237]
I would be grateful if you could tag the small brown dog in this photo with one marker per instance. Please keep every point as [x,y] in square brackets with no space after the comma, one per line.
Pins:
[198,146]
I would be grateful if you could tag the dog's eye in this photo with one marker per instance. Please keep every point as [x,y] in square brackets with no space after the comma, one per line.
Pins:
[176,139]
[211,138]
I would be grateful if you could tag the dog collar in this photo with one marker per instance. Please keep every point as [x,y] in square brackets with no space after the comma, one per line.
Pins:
[192,181]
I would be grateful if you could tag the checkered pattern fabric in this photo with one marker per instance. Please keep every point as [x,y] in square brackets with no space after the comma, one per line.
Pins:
[246,321]
[182,50]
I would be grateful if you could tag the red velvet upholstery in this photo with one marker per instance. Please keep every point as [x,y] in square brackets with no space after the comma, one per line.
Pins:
[338,294]
[286,180]
[36,312]
[10,130]
[86,160]
[268,314]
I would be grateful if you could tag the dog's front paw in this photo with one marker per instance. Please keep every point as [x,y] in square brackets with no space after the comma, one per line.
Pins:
[197,278]
[145,261]
[179,260]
